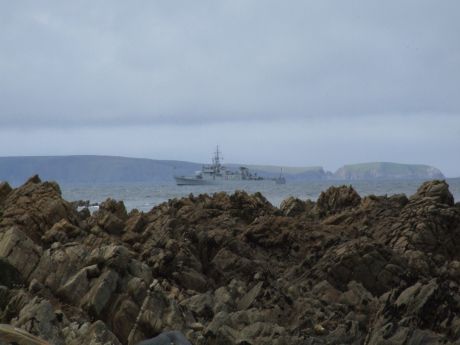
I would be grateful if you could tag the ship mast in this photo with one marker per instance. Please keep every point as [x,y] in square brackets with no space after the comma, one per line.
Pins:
[216,160]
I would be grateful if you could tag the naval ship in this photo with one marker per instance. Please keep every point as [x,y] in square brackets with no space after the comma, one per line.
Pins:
[216,173]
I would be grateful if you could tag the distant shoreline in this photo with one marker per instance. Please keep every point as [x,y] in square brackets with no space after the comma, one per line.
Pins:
[115,169]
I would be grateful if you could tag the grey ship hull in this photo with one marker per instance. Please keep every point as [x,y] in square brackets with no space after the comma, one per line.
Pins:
[194,181]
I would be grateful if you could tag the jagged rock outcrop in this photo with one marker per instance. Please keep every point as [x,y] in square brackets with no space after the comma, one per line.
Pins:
[233,269]
[35,207]
[295,207]
[435,190]
[5,189]
[426,312]
[336,199]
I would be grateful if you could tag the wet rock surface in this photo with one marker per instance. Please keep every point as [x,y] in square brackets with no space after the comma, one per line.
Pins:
[233,269]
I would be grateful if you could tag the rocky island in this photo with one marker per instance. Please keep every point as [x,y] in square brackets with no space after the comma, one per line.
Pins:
[387,171]
[233,269]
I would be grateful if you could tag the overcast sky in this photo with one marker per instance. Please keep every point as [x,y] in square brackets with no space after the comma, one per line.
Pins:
[273,82]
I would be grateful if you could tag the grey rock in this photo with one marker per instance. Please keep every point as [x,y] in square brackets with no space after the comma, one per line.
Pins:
[100,293]
[9,275]
[200,305]
[337,199]
[246,301]
[167,338]
[19,251]
[437,190]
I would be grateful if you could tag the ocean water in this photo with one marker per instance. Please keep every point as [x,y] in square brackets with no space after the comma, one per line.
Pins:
[145,196]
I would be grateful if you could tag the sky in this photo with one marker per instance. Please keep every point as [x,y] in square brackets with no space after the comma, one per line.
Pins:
[295,83]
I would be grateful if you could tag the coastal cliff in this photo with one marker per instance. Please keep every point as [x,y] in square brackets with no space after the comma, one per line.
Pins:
[233,269]
[387,171]
[110,169]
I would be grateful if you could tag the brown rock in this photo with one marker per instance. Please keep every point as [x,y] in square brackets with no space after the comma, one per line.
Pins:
[9,275]
[200,305]
[96,334]
[292,207]
[135,223]
[232,269]
[61,231]
[19,251]
[337,199]
[60,263]
[246,301]
[111,223]
[75,288]
[124,318]
[117,208]
[5,189]
[35,207]
[100,293]
[191,279]
[436,190]
[374,266]
[46,328]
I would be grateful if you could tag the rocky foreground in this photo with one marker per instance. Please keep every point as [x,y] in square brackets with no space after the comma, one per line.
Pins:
[233,269]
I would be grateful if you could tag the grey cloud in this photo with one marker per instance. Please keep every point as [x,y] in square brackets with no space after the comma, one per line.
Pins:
[424,139]
[181,62]
[294,83]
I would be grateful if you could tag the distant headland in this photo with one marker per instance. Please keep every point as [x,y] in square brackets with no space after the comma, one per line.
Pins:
[385,170]
[113,169]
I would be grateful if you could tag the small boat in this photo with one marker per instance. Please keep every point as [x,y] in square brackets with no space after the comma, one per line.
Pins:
[280,179]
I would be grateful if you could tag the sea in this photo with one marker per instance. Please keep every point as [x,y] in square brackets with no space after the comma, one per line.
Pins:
[144,197]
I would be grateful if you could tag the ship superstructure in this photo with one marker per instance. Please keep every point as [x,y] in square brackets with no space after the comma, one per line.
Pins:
[216,173]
